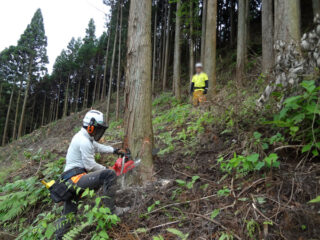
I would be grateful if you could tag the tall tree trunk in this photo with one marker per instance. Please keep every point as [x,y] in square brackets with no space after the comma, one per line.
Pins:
[316,7]
[211,44]
[14,133]
[287,20]
[247,25]
[177,54]
[267,36]
[241,43]
[77,99]
[58,100]
[1,86]
[203,31]
[119,66]
[4,136]
[166,55]
[112,66]
[191,44]
[232,23]
[32,113]
[26,93]
[66,98]
[154,50]
[164,38]
[86,90]
[138,119]
[104,84]
[43,110]
[96,82]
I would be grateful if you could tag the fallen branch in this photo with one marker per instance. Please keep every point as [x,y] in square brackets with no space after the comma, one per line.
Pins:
[288,146]
[215,222]
[176,204]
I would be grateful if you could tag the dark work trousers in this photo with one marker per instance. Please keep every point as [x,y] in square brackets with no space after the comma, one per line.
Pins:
[105,178]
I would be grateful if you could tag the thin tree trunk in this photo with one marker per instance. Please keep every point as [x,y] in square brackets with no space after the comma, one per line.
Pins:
[241,43]
[25,99]
[86,89]
[164,42]
[138,119]
[191,44]
[112,66]
[232,25]
[166,56]
[247,26]
[14,133]
[43,109]
[119,66]
[154,50]
[211,44]
[267,36]
[177,54]
[77,96]
[32,114]
[58,100]
[316,7]
[4,136]
[203,31]
[66,98]
[104,84]
[1,86]
[94,95]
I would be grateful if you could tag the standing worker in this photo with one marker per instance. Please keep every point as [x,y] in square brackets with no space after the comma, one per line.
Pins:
[199,85]
[82,170]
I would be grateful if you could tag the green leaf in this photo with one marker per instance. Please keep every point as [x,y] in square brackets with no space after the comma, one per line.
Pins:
[181,182]
[104,234]
[86,192]
[306,148]
[259,165]
[215,213]
[195,178]
[178,233]
[315,200]
[50,231]
[309,86]
[257,135]
[253,157]
[141,230]
[315,152]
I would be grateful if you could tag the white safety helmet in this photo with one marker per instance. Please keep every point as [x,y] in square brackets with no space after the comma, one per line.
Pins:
[94,122]
[199,65]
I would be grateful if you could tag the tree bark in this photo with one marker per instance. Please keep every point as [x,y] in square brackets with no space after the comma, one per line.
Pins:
[166,54]
[25,99]
[77,96]
[58,100]
[32,113]
[104,85]
[112,65]
[287,21]
[267,36]
[14,133]
[241,43]
[232,23]
[177,54]
[211,43]
[96,81]
[43,110]
[66,98]
[4,136]
[191,44]
[203,33]
[316,7]
[138,119]
[154,50]
[119,66]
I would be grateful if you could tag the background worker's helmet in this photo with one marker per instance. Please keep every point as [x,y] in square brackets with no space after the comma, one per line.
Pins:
[199,65]
[94,123]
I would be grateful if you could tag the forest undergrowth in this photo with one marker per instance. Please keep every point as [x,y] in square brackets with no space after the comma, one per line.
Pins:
[226,170]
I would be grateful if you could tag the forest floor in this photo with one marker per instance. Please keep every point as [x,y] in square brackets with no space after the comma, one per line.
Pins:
[191,196]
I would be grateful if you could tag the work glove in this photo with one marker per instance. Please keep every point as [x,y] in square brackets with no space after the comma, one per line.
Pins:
[205,91]
[118,151]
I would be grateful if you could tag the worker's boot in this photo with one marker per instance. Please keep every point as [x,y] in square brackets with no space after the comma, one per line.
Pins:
[63,225]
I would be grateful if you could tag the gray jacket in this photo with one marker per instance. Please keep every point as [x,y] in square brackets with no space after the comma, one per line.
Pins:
[82,150]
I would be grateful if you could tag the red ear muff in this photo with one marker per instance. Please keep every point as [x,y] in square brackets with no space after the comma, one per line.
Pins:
[90,129]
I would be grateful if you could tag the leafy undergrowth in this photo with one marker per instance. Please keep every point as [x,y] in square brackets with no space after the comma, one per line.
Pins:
[223,171]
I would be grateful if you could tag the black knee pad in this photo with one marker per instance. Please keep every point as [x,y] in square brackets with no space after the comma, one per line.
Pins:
[107,175]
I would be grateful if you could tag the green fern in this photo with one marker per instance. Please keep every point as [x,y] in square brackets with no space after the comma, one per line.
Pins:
[75,231]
